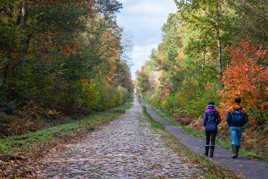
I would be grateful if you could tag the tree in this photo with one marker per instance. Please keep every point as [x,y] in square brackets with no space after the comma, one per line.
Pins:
[251,16]
[59,55]
[212,22]
[247,78]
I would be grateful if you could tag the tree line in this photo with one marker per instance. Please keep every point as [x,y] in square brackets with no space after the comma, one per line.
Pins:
[58,58]
[211,50]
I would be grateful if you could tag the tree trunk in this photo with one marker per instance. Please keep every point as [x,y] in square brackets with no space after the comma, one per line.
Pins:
[23,41]
[26,37]
[204,59]
[219,40]
[219,51]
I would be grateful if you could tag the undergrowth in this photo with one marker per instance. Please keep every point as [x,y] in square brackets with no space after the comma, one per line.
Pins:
[29,142]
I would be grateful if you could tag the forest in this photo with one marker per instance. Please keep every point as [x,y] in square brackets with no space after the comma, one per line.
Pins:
[212,50]
[69,107]
[59,59]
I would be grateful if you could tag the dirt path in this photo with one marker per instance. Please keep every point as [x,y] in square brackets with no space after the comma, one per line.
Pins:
[126,148]
[243,166]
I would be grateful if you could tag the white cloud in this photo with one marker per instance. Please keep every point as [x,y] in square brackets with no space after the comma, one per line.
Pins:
[152,7]
[141,54]
[143,22]
[149,14]
[144,19]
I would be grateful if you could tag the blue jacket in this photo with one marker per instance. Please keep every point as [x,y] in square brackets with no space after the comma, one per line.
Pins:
[211,119]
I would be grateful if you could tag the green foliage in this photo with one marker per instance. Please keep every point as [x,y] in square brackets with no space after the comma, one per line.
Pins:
[143,83]
[251,17]
[170,103]
[155,99]
[192,66]
[124,94]
[63,56]
[193,48]
[90,96]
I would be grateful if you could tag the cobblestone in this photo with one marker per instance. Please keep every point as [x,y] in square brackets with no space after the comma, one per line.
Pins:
[127,148]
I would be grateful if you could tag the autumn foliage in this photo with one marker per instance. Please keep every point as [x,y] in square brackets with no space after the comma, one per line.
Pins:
[205,57]
[247,77]
[58,59]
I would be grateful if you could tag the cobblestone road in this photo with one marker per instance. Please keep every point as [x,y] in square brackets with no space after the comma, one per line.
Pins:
[126,148]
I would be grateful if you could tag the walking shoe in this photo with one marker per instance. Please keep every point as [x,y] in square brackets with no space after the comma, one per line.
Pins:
[234,149]
[206,150]
[211,151]
[237,151]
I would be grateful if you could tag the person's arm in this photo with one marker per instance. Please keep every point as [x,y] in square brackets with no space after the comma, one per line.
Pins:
[205,119]
[218,118]
[245,118]
[229,118]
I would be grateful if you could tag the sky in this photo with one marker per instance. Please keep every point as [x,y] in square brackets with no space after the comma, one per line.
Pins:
[142,21]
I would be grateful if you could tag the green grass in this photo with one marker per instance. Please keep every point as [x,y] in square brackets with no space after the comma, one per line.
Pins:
[165,116]
[155,125]
[209,169]
[25,143]
[123,107]
[13,144]
[190,131]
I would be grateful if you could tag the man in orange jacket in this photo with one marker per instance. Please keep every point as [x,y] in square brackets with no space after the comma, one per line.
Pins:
[236,119]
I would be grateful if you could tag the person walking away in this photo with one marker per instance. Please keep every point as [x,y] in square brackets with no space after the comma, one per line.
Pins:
[236,119]
[211,120]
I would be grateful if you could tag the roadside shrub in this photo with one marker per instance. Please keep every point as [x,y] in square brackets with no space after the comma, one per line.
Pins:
[247,78]
[107,99]
[90,95]
[155,99]
[169,103]
[124,94]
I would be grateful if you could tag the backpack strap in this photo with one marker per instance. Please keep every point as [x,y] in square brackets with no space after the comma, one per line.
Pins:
[239,110]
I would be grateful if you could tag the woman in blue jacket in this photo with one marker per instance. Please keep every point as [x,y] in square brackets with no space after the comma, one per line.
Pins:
[211,121]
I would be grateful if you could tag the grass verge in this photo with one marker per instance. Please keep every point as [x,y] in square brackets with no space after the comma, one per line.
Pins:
[190,131]
[29,142]
[27,150]
[209,169]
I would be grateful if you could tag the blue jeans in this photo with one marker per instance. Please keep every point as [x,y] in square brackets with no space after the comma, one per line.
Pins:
[236,133]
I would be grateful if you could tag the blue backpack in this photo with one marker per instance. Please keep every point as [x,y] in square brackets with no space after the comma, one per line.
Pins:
[237,117]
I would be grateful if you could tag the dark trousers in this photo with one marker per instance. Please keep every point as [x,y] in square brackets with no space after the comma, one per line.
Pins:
[210,138]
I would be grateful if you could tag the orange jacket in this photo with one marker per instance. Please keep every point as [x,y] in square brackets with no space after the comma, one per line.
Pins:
[237,107]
